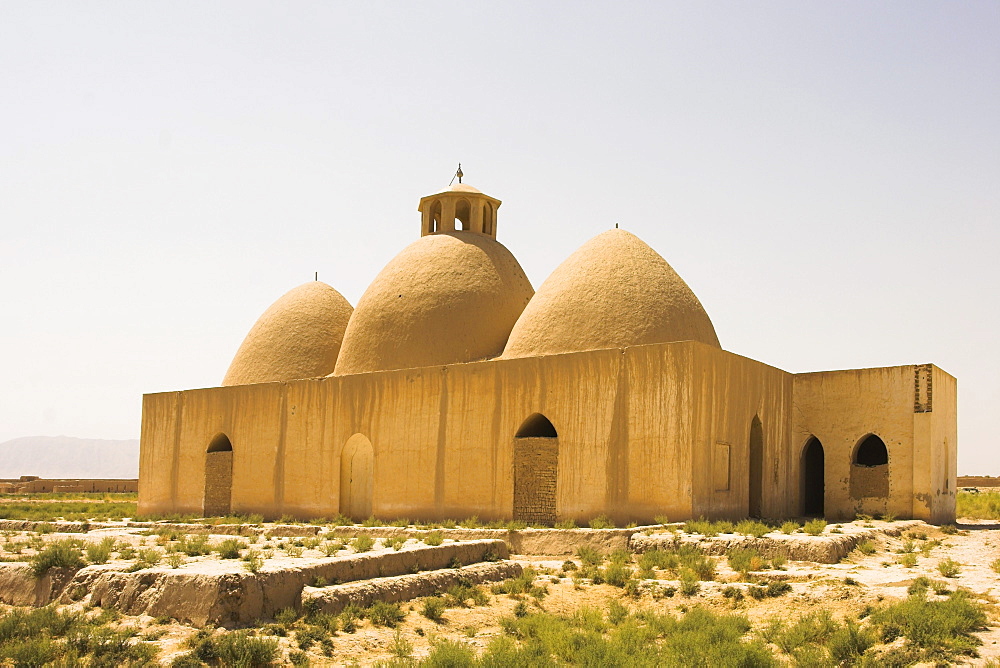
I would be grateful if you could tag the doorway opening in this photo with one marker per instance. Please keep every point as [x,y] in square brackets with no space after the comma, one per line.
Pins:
[536,467]
[813,478]
[756,468]
[218,477]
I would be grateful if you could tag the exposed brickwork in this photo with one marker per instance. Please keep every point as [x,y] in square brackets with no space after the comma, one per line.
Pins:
[536,462]
[218,482]
[869,481]
[923,389]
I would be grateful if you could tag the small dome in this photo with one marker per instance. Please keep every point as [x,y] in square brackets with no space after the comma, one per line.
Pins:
[299,336]
[613,292]
[446,298]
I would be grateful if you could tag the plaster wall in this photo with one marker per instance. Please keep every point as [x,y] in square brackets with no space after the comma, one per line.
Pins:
[841,408]
[660,429]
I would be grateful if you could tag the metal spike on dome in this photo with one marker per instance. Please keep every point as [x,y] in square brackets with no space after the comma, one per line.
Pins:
[459,173]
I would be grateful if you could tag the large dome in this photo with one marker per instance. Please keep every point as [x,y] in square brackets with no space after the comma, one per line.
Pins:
[613,292]
[299,336]
[446,298]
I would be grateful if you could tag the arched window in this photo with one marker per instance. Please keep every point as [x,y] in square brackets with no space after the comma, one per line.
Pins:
[463,213]
[436,216]
[536,426]
[871,452]
[218,477]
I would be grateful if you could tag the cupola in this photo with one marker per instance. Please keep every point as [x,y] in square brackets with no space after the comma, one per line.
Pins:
[459,207]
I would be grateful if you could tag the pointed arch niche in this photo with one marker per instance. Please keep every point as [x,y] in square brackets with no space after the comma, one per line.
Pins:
[218,477]
[870,468]
[357,477]
[536,470]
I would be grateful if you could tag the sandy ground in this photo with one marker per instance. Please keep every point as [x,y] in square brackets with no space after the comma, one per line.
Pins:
[845,588]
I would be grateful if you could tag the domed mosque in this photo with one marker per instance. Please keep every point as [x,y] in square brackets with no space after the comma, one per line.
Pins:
[454,389]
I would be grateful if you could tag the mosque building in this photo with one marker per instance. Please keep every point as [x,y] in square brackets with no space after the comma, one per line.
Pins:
[454,389]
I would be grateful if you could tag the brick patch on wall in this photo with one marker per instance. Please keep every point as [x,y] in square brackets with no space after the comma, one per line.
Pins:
[536,463]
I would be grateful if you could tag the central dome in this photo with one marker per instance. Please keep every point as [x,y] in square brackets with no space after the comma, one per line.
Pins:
[446,298]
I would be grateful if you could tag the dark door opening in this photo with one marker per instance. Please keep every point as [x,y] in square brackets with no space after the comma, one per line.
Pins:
[813,478]
[756,468]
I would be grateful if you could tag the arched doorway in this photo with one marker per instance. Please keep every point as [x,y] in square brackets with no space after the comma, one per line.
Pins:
[536,467]
[218,477]
[756,468]
[813,478]
[357,477]
[870,468]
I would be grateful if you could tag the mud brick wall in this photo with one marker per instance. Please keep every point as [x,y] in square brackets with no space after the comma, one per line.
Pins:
[218,482]
[536,463]
[869,481]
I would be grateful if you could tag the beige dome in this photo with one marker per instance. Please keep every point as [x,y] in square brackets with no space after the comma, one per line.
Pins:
[613,292]
[446,298]
[299,336]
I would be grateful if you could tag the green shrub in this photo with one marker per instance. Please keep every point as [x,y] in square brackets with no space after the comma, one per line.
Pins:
[99,553]
[331,547]
[617,574]
[237,648]
[253,561]
[434,538]
[449,654]
[772,589]
[566,524]
[175,559]
[908,560]
[602,522]
[58,554]
[230,548]
[815,527]
[690,585]
[589,556]
[866,547]
[752,528]
[939,629]
[949,529]
[814,628]
[470,522]
[744,560]
[949,568]
[395,542]
[193,546]
[381,613]
[661,519]
[362,543]
[789,527]
[433,608]
[995,565]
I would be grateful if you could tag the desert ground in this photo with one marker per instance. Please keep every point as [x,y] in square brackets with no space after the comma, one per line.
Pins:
[103,588]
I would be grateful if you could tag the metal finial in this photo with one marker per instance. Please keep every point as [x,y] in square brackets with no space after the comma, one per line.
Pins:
[459,173]
[616,226]
[316,276]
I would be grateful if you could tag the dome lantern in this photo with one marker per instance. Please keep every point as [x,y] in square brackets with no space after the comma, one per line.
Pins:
[459,207]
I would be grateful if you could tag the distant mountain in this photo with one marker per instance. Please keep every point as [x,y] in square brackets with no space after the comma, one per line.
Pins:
[69,457]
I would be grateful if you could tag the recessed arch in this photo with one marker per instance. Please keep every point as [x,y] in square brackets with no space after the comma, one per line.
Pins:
[536,426]
[357,477]
[756,453]
[220,443]
[870,468]
[463,213]
[813,489]
[435,216]
[217,500]
[870,451]
[487,218]
[536,471]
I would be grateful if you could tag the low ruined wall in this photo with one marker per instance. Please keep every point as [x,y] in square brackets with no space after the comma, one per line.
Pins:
[404,587]
[828,548]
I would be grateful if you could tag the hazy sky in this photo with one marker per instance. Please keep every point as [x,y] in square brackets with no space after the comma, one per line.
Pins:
[825,176]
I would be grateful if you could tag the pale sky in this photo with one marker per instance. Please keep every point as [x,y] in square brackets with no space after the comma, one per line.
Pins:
[825,176]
